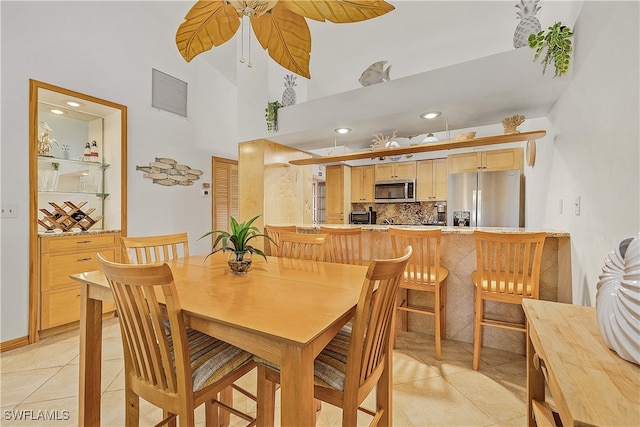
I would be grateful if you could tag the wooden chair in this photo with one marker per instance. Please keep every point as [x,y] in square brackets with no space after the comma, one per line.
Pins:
[345,244]
[508,271]
[424,274]
[155,249]
[274,231]
[366,347]
[303,246]
[166,363]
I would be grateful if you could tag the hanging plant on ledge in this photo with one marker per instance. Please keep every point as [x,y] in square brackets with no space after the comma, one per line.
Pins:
[556,40]
[271,115]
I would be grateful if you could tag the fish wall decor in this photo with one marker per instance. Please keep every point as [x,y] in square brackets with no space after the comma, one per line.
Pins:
[169,172]
[376,73]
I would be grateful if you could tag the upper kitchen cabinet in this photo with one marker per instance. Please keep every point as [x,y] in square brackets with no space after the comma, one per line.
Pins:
[338,186]
[393,170]
[493,160]
[78,196]
[362,178]
[431,180]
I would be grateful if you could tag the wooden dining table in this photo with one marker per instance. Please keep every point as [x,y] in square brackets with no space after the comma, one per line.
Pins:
[282,310]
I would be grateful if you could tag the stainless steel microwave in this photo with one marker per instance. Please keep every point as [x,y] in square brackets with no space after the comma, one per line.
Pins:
[395,191]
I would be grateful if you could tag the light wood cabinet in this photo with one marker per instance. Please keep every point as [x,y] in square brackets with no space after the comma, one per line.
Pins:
[362,178]
[399,170]
[224,176]
[493,160]
[338,186]
[61,256]
[431,180]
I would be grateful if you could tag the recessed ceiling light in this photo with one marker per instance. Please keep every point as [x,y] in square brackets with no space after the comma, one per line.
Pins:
[57,112]
[430,114]
[73,104]
[342,130]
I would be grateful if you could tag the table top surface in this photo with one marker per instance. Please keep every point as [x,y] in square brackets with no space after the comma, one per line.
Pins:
[293,300]
[589,381]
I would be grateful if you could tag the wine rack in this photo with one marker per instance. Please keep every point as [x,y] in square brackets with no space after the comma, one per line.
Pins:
[68,216]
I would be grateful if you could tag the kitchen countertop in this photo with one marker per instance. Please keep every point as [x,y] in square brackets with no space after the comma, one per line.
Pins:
[75,233]
[445,230]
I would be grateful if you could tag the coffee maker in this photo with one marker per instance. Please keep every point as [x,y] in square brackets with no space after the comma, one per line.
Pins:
[442,213]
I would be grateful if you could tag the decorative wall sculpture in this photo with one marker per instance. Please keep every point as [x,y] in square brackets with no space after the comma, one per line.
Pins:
[165,171]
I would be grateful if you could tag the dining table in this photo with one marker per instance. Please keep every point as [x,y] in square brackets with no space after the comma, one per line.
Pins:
[282,310]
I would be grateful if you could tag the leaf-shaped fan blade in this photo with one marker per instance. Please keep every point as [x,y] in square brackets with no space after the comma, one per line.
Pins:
[286,37]
[207,24]
[339,11]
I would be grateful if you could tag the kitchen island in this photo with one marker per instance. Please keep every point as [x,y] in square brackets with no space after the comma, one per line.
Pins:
[458,254]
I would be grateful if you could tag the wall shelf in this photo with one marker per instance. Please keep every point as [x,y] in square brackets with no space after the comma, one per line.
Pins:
[423,148]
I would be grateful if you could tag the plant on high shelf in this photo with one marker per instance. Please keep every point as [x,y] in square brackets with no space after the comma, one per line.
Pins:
[558,44]
[271,115]
[237,242]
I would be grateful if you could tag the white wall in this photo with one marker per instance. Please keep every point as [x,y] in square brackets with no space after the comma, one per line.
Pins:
[593,152]
[107,50]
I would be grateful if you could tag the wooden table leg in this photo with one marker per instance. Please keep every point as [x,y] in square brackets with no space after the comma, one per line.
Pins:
[535,382]
[296,388]
[90,359]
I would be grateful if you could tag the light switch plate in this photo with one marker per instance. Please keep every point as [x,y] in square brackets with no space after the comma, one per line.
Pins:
[9,211]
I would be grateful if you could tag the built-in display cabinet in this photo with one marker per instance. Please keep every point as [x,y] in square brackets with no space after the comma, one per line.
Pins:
[78,150]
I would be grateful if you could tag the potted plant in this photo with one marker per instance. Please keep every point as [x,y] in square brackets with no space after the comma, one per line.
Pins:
[236,241]
[271,115]
[556,40]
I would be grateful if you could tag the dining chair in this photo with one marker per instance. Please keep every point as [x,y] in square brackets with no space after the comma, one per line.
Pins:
[310,246]
[344,244]
[424,274]
[507,271]
[167,364]
[274,231]
[354,362]
[155,249]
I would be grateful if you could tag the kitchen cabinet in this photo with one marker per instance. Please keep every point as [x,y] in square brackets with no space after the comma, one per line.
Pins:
[61,256]
[431,180]
[395,170]
[338,186]
[362,178]
[224,175]
[492,160]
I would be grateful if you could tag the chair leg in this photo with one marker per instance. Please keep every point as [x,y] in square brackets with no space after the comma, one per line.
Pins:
[132,410]
[405,314]
[172,421]
[477,329]
[226,397]
[437,322]
[266,398]
[443,310]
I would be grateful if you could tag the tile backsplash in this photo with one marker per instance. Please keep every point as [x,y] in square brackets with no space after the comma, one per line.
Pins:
[414,213]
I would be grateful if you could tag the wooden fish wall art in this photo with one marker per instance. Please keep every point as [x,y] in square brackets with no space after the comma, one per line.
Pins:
[168,172]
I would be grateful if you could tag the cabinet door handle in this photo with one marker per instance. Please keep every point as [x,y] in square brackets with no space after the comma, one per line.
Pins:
[83,241]
[84,259]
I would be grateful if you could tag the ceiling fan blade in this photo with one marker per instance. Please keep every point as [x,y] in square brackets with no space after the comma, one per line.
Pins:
[286,37]
[338,11]
[207,24]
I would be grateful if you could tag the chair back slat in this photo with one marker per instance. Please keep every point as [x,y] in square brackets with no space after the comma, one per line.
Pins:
[302,246]
[344,245]
[509,263]
[155,249]
[274,231]
[424,265]
[370,343]
[147,341]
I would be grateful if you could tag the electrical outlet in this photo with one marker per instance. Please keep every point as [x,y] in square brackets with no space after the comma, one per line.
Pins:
[9,211]
[577,204]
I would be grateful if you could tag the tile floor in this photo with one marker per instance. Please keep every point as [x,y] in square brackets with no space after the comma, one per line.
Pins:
[43,378]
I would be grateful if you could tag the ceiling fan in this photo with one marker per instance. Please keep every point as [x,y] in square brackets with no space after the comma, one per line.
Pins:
[279,25]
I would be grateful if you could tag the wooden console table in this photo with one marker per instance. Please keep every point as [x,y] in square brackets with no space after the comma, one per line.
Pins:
[589,383]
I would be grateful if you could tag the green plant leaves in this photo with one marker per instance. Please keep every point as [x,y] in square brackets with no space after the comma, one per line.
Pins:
[556,41]
[238,238]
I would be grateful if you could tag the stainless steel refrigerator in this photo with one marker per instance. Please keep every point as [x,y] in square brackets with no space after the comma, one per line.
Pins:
[485,199]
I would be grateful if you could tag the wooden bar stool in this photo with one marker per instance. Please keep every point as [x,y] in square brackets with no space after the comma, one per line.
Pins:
[274,231]
[345,244]
[507,271]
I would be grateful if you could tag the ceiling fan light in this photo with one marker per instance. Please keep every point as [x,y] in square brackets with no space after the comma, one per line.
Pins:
[342,131]
[430,115]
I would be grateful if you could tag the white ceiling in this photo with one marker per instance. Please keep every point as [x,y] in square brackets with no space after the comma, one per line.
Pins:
[423,41]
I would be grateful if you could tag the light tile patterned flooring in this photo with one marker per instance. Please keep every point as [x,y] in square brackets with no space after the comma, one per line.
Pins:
[41,380]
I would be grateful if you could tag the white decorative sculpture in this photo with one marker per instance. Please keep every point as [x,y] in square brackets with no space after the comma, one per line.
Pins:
[618,300]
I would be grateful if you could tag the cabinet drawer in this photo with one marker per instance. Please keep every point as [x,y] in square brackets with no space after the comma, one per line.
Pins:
[56,267]
[60,306]
[81,241]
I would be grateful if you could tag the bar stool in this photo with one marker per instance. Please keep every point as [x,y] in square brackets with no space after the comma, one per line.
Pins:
[507,271]
[345,244]
[274,231]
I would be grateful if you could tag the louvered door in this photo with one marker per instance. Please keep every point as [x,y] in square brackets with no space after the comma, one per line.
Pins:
[224,193]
